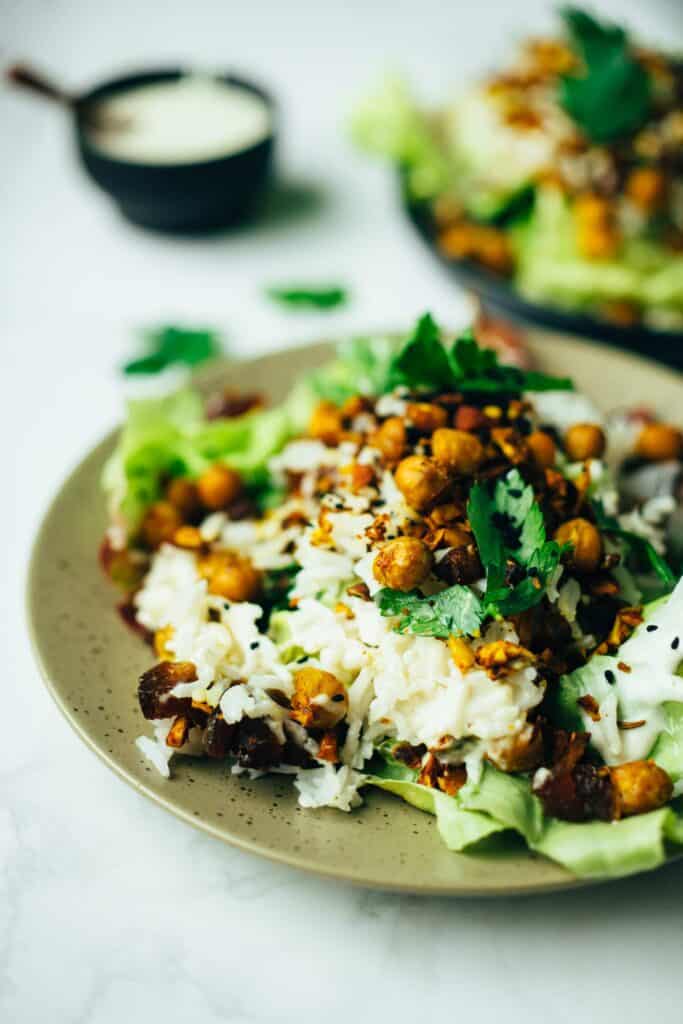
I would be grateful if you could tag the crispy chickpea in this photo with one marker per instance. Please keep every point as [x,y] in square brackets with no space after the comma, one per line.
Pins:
[229,575]
[641,786]
[403,563]
[646,186]
[218,486]
[326,423]
[320,700]
[426,416]
[542,448]
[586,542]
[184,495]
[459,450]
[597,234]
[160,523]
[584,441]
[420,480]
[659,442]
[390,439]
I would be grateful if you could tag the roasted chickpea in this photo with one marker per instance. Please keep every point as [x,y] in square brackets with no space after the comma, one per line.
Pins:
[326,423]
[597,232]
[426,416]
[640,786]
[659,442]
[390,439]
[184,495]
[420,480]
[320,700]
[160,522]
[542,448]
[229,575]
[460,451]
[218,486]
[647,187]
[402,564]
[586,542]
[584,441]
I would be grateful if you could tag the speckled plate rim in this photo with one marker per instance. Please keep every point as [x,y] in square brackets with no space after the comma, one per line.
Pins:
[551,877]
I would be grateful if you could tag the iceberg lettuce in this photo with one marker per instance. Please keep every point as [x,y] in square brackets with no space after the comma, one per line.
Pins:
[170,436]
[499,803]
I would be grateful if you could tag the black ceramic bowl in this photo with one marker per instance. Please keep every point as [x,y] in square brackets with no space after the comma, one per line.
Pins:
[197,196]
[499,296]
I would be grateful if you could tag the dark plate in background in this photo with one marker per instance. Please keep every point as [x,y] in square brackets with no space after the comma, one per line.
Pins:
[500,298]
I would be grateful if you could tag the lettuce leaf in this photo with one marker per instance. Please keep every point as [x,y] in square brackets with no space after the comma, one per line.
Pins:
[170,436]
[499,802]
[389,123]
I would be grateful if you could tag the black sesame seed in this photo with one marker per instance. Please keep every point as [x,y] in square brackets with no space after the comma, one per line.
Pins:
[338,697]
[253,645]
[301,660]
[226,604]
[514,492]
[675,642]
[609,676]
[651,628]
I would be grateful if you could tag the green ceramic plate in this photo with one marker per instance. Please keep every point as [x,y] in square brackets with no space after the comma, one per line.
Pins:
[91,663]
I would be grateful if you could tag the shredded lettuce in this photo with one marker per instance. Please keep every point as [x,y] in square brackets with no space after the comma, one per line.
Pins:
[389,123]
[170,436]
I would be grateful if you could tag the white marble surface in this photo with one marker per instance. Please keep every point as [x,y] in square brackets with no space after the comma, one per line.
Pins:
[110,910]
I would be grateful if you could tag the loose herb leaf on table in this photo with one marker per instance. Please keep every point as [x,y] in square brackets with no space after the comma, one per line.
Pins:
[169,346]
[309,297]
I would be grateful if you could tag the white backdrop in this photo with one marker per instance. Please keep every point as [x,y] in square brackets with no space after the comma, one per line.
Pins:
[109,909]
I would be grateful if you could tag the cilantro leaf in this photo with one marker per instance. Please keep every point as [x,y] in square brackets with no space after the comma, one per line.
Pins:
[611,97]
[423,360]
[168,346]
[510,527]
[516,501]
[311,297]
[641,547]
[456,611]
[481,514]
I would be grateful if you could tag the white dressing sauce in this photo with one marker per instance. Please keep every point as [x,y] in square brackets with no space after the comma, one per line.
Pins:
[184,120]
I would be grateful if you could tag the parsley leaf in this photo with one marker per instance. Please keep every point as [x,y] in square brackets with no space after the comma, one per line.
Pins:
[456,611]
[611,98]
[641,547]
[168,346]
[311,297]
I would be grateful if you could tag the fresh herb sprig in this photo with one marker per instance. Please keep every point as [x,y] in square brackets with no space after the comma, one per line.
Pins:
[424,361]
[610,97]
[169,346]
[508,527]
[309,297]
